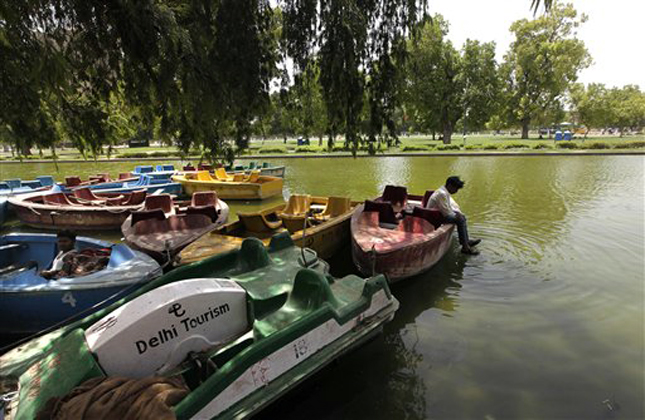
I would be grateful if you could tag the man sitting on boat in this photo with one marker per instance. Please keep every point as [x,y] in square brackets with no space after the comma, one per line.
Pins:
[442,200]
[72,263]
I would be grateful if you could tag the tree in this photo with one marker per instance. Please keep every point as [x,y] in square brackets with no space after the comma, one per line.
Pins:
[542,62]
[590,105]
[358,45]
[445,86]
[627,108]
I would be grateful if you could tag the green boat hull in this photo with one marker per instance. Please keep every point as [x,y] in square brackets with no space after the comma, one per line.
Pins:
[301,318]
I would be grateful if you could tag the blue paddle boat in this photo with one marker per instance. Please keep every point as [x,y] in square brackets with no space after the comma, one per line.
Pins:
[151,183]
[31,303]
[11,187]
[164,170]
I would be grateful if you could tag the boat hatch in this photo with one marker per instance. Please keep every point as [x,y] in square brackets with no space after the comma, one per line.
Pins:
[155,332]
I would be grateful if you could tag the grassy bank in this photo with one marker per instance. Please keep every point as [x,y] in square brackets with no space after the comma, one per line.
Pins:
[408,144]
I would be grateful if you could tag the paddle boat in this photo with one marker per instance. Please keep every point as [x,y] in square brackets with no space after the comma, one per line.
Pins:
[239,330]
[398,246]
[151,183]
[265,168]
[12,187]
[163,228]
[81,209]
[74,181]
[164,170]
[30,303]
[231,187]
[319,223]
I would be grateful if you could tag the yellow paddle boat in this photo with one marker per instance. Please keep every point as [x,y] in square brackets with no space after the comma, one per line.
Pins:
[231,187]
[319,223]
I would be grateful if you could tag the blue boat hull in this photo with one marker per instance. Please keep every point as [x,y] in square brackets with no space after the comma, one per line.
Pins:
[28,312]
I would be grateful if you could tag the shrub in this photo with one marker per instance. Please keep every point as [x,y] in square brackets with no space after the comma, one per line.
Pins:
[448,147]
[630,145]
[415,148]
[491,146]
[566,145]
[542,146]
[474,146]
[515,146]
[308,149]
[273,149]
[597,145]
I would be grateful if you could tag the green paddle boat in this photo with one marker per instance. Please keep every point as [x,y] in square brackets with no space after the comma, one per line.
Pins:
[239,329]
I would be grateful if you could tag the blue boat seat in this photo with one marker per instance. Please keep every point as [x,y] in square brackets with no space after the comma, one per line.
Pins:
[9,247]
[46,181]
[14,183]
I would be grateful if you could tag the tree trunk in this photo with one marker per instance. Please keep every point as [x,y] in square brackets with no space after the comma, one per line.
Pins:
[447,133]
[320,140]
[434,135]
[525,128]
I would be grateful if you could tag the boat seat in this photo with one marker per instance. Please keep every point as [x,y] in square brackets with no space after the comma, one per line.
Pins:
[254,176]
[266,164]
[253,165]
[396,195]
[208,210]
[57,199]
[336,206]
[46,180]
[433,216]
[125,175]
[204,176]
[13,183]
[72,181]
[161,201]
[310,291]
[9,247]
[298,204]
[426,197]
[257,222]
[144,169]
[114,201]
[155,214]
[87,194]
[414,224]
[136,198]
[204,198]
[294,223]
[221,175]
[205,167]
[384,209]
[188,168]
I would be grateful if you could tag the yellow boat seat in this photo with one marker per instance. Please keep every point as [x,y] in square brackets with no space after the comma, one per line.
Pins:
[336,206]
[238,178]
[298,204]
[254,176]
[294,214]
[258,222]
[221,175]
[204,176]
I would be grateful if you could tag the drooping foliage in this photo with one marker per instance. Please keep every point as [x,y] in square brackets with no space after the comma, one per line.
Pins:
[202,67]
[358,44]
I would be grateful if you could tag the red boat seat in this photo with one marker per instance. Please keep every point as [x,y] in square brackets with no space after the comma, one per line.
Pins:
[56,199]
[161,201]
[433,216]
[414,224]
[154,214]
[86,194]
[115,201]
[205,167]
[396,195]
[188,168]
[204,198]
[72,181]
[125,175]
[384,209]
[209,211]
[426,197]
[136,198]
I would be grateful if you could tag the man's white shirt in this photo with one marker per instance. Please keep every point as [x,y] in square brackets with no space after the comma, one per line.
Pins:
[442,200]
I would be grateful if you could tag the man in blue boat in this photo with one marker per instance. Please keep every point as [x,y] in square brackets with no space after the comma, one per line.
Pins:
[442,200]
[60,267]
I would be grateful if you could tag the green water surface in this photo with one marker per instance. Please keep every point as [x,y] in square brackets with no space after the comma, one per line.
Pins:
[547,323]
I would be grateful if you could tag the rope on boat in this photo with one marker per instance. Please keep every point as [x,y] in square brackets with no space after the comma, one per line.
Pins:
[373,260]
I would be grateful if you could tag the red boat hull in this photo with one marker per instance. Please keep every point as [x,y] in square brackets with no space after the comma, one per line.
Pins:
[408,250]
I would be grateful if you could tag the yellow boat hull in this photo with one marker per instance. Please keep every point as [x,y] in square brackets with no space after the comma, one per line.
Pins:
[267,186]
[326,238]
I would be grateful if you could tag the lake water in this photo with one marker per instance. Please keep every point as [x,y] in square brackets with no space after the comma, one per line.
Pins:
[547,322]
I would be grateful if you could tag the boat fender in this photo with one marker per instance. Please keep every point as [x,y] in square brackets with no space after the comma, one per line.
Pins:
[156,331]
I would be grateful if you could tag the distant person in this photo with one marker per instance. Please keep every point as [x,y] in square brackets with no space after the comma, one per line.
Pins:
[442,200]
[61,266]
